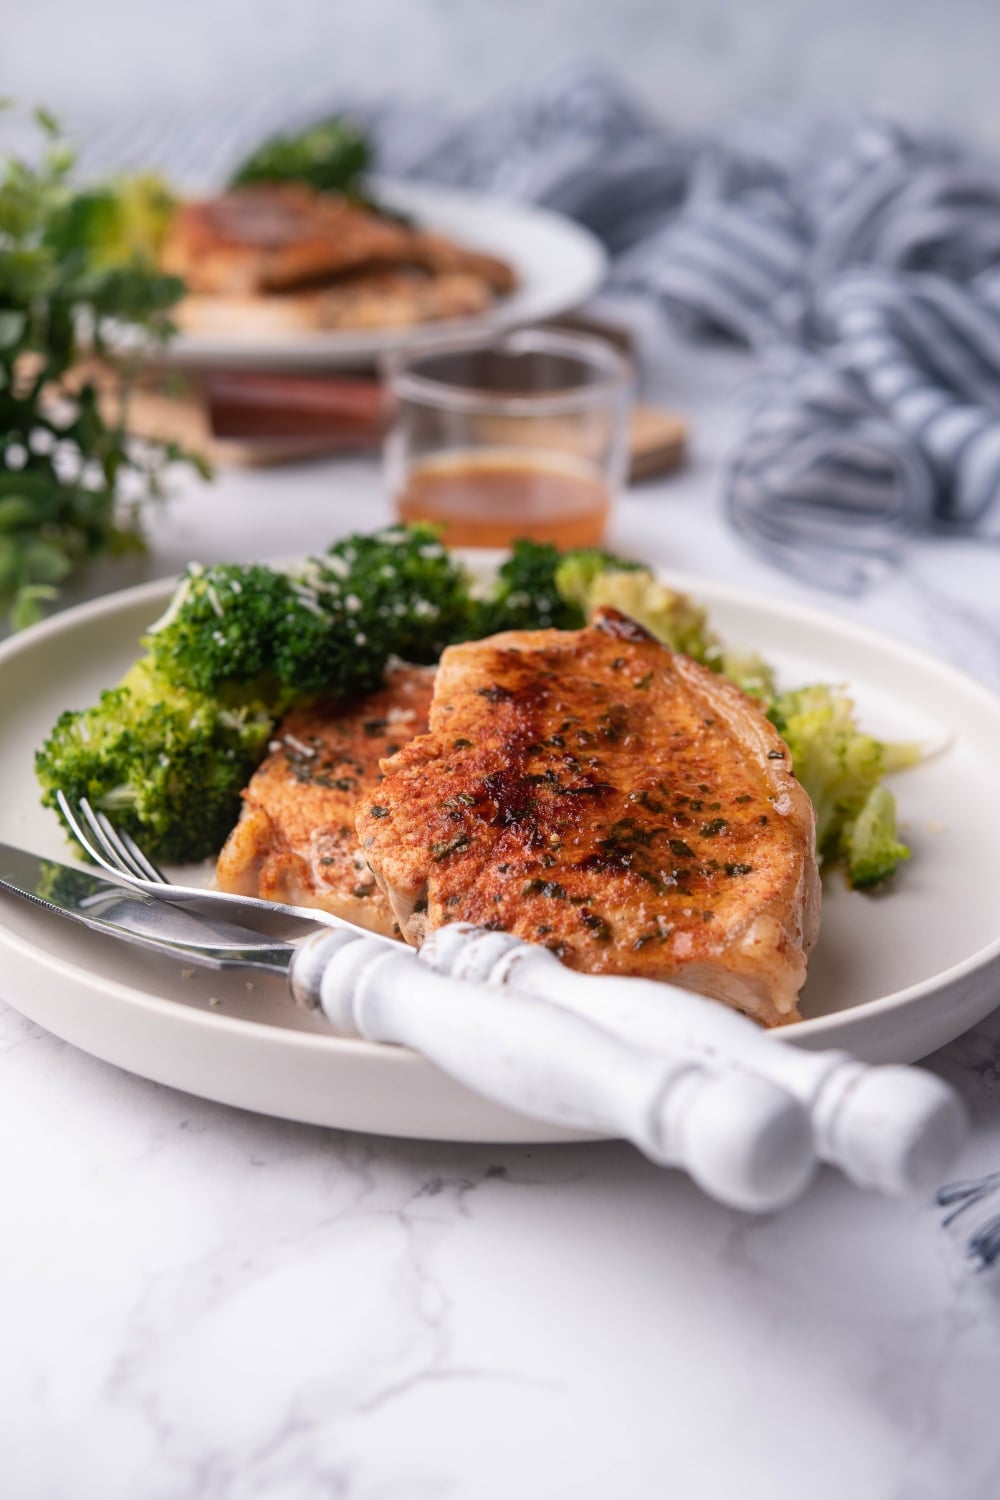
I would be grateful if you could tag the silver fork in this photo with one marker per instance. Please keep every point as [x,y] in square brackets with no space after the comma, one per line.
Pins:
[118,853]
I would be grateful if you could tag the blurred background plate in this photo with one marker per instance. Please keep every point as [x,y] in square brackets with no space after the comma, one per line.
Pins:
[558,263]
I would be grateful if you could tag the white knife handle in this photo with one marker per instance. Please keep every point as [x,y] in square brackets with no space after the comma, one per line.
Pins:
[893,1129]
[743,1139]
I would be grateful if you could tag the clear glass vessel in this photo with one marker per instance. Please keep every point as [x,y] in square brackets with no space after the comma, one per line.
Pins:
[521,437]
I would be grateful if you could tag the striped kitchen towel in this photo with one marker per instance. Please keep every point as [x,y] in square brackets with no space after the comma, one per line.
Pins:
[973,1218]
[859,260]
[865,274]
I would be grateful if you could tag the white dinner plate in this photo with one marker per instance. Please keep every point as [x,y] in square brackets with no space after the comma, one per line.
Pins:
[893,976]
[559,264]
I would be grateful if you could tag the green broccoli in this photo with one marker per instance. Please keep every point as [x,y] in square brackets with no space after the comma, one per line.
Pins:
[399,590]
[841,768]
[248,632]
[524,595]
[672,617]
[577,574]
[872,849]
[166,763]
[529,591]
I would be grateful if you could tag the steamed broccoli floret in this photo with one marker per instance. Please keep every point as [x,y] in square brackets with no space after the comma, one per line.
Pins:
[247,632]
[672,617]
[871,846]
[577,574]
[524,595]
[529,592]
[841,769]
[244,632]
[166,763]
[400,590]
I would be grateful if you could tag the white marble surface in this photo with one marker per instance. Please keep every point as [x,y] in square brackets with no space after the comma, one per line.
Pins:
[196,1302]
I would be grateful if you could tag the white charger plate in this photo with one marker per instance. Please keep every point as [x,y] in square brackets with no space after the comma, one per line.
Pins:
[893,976]
[559,264]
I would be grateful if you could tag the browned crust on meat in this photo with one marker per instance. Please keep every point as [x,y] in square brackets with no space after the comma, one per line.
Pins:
[269,238]
[251,243]
[296,840]
[595,792]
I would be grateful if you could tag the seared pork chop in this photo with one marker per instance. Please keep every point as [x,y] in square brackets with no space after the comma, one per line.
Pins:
[267,238]
[296,840]
[275,237]
[595,792]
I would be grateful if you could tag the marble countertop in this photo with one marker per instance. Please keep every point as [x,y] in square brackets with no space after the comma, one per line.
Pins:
[199,1302]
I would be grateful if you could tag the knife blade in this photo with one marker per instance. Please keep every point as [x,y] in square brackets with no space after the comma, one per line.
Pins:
[745,1140]
[105,905]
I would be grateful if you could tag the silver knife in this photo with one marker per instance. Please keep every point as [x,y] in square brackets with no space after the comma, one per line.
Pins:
[121,910]
[744,1139]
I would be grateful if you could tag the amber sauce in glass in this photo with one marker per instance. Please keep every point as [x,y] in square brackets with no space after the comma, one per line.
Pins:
[489,498]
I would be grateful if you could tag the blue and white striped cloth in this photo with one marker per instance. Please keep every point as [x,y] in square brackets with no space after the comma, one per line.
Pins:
[859,260]
[866,277]
[973,1218]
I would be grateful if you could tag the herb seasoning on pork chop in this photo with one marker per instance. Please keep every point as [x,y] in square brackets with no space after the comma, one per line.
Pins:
[296,839]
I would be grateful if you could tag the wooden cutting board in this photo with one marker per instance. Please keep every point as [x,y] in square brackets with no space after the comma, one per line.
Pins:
[174,407]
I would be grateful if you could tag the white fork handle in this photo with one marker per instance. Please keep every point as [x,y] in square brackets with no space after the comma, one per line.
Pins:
[742,1138]
[892,1129]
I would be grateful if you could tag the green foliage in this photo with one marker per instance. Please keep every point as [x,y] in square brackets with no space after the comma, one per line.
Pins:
[119,222]
[331,156]
[167,764]
[72,263]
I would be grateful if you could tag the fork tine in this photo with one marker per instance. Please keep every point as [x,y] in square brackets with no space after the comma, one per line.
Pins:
[99,837]
[140,859]
[110,840]
[120,855]
[80,822]
[119,846]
